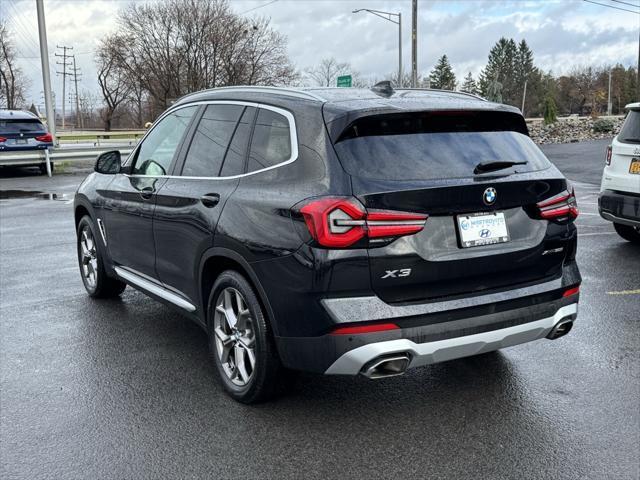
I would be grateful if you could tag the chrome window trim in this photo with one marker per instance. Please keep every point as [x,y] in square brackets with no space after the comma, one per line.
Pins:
[293,138]
[291,92]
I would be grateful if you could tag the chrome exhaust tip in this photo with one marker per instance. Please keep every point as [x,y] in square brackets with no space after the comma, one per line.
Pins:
[384,367]
[561,329]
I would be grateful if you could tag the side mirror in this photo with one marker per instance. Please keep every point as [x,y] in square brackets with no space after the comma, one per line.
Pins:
[108,163]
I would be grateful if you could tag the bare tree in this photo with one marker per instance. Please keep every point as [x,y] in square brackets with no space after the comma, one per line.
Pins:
[12,81]
[326,73]
[175,47]
[112,78]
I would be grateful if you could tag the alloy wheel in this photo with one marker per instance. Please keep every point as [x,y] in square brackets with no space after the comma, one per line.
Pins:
[88,257]
[234,336]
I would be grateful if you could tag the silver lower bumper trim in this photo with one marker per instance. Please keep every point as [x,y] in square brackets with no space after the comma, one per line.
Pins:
[352,362]
[371,308]
[621,220]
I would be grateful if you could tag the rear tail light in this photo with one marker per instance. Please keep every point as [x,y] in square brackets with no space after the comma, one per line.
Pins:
[2,139]
[339,222]
[561,206]
[47,137]
[609,152]
[371,328]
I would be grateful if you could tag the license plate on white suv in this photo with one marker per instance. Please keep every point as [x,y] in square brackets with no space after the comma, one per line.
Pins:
[478,229]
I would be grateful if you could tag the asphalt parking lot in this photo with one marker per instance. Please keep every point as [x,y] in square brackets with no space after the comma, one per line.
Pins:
[125,389]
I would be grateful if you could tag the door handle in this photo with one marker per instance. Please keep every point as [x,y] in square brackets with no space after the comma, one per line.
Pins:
[147,192]
[210,200]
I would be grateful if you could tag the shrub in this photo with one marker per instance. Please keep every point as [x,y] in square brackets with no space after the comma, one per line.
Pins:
[550,111]
[603,125]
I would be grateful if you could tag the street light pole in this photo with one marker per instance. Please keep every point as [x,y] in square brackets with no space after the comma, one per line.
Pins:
[388,16]
[414,44]
[46,75]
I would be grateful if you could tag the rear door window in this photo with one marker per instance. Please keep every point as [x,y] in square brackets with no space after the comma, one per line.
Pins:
[16,127]
[271,142]
[211,140]
[237,153]
[630,132]
[432,145]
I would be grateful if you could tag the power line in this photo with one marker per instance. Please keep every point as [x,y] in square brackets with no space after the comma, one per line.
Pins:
[259,6]
[627,3]
[611,6]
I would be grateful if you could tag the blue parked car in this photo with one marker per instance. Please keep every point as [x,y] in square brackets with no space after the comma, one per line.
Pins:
[20,130]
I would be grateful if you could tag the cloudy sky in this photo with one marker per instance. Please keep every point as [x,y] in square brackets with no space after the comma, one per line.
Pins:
[561,33]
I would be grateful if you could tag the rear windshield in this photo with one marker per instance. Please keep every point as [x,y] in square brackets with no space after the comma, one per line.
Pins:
[630,132]
[428,146]
[21,126]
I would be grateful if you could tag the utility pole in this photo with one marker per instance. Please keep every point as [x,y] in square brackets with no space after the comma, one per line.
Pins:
[46,75]
[64,74]
[414,44]
[609,97]
[524,96]
[75,80]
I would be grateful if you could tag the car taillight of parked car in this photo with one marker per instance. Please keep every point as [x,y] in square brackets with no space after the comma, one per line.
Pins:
[339,222]
[47,137]
[559,207]
[2,139]
[609,152]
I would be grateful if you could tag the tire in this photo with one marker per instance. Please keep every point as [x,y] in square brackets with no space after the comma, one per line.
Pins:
[43,168]
[90,260]
[242,346]
[627,232]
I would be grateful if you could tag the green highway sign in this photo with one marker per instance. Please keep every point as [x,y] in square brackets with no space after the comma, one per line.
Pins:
[344,81]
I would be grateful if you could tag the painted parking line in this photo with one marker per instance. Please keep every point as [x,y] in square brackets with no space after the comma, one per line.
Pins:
[625,292]
[592,234]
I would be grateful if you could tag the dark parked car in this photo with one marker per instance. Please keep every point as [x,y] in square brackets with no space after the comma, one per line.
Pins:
[20,130]
[338,231]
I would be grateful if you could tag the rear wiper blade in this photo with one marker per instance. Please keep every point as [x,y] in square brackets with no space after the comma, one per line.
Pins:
[492,166]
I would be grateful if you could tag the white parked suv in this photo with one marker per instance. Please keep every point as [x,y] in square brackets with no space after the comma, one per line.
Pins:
[619,200]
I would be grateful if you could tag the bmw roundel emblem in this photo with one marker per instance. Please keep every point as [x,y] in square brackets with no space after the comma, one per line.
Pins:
[490,195]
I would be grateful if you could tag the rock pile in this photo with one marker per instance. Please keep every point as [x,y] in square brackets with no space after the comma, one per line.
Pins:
[571,129]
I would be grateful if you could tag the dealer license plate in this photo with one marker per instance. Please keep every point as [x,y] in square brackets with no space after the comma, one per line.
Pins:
[478,229]
[635,166]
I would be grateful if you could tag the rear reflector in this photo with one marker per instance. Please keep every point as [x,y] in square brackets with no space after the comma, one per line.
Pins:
[609,152]
[571,291]
[372,328]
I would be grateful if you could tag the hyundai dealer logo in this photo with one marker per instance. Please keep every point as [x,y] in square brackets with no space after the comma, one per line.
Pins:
[490,196]
[485,233]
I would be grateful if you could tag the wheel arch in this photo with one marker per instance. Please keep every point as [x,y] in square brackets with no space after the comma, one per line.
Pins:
[214,262]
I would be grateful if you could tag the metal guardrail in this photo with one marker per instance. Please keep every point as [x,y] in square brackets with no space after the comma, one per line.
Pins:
[34,157]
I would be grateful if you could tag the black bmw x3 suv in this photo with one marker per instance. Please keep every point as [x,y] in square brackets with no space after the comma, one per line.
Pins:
[338,231]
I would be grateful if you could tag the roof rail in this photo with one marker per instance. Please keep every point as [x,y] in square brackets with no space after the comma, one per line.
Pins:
[467,94]
[264,89]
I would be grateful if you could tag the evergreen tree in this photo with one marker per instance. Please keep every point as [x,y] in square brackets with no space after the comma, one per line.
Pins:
[469,85]
[550,110]
[501,67]
[442,75]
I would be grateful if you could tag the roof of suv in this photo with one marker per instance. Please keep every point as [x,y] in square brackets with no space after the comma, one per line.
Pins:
[350,99]
[16,115]
[341,106]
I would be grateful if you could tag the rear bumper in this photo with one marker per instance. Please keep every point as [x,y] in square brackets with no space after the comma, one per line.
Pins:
[620,207]
[420,354]
[434,331]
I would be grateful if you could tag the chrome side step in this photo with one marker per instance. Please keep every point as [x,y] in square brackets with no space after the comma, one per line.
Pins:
[161,292]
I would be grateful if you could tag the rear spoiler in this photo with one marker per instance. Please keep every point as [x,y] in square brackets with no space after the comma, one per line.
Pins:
[386,121]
